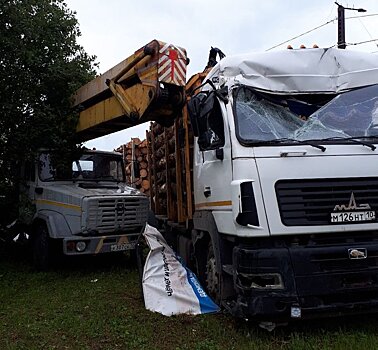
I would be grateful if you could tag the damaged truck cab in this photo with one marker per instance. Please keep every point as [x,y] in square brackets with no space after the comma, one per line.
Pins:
[82,209]
[285,179]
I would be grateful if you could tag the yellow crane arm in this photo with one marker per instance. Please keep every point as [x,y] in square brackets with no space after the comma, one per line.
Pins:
[147,86]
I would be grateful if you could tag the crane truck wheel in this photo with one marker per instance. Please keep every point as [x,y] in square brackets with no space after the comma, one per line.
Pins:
[41,248]
[212,275]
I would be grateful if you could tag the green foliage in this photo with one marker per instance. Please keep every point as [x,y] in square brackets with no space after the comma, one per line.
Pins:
[26,209]
[41,65]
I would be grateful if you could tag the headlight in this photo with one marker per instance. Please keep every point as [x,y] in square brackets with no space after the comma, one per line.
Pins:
[81,246]
[261,280]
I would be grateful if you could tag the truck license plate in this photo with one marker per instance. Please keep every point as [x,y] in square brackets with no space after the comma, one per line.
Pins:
[353,216]
[121,247]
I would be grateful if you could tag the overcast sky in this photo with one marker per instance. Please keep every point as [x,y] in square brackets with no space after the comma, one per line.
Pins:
[113,29]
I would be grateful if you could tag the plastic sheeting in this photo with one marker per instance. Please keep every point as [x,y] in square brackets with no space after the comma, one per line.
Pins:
[301,71]
[169,287]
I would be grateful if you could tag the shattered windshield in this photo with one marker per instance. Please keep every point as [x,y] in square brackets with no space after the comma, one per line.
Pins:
[91,166]
[262,118]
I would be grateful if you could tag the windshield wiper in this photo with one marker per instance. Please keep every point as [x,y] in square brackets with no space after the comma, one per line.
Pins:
[355,139]
[284,139]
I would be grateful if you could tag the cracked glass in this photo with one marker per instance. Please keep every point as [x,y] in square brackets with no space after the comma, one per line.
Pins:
[266,118]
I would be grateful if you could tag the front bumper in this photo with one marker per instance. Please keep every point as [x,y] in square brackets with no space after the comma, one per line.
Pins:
[314,281]
[99,244]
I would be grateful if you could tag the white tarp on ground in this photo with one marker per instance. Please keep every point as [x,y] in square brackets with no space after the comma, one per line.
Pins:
[169,287]
[304,70]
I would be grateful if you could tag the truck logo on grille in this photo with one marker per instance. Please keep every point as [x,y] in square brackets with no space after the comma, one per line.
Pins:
[352,205]
[352,213]
[357,253]
[121,208]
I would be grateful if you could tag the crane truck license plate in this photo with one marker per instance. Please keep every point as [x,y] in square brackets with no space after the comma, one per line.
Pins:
[121,247]
[353,216]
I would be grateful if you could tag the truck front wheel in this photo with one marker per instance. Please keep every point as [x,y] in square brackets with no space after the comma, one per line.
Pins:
[212,275]
[41,248]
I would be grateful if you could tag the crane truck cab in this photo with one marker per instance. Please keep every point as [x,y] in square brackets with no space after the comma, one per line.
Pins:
[83,208]
[86,207]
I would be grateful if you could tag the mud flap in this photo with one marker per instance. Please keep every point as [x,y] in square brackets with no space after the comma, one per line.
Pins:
[169,287]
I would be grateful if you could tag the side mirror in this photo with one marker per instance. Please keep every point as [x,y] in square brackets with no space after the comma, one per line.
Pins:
[194,109]
[204,139]
[199,108]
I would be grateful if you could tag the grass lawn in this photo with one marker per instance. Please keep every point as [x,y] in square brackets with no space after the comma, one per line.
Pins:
[97,304]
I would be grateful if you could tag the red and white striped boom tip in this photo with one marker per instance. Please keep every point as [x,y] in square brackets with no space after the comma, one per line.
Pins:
[172,65]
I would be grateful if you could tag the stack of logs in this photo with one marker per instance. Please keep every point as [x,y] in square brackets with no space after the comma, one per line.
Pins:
[138,180]
[162,146]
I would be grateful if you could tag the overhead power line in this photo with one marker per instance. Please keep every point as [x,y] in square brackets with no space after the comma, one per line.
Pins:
[318,27]
[362,42]
[367,31]
[298,36]
[360,16]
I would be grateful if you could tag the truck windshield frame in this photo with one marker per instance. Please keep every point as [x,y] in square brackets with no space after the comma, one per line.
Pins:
[90,167]
[263,119]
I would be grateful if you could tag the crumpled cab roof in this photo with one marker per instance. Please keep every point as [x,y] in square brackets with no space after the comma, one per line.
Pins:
[300,71]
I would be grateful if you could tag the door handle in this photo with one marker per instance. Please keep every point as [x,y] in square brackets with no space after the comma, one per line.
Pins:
[38,190]
[207,191]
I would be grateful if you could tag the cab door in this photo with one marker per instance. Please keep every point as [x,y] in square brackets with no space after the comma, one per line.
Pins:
[212,173]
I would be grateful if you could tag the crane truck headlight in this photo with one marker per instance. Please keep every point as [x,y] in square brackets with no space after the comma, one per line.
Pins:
[80,246]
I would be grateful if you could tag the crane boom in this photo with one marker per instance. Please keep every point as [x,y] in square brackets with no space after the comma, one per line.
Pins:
[147,86]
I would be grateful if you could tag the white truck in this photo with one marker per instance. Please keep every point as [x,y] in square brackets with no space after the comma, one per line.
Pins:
[275,196]
[84,209]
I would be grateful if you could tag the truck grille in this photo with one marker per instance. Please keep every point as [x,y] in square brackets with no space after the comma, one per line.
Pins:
[310,202]
[328,273]
[108,215]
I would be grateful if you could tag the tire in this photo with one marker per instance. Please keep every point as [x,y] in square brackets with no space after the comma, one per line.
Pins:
[41,249]
[141,252]
[212,275]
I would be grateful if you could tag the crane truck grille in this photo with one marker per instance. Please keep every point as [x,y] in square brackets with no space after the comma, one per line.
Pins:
[313,202]
[109,215]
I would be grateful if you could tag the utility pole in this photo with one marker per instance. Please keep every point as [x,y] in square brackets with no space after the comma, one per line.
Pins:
[340,26]
[341,44]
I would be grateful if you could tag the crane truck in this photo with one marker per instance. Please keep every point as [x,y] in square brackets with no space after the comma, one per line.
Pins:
[263,172]
[87,208]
